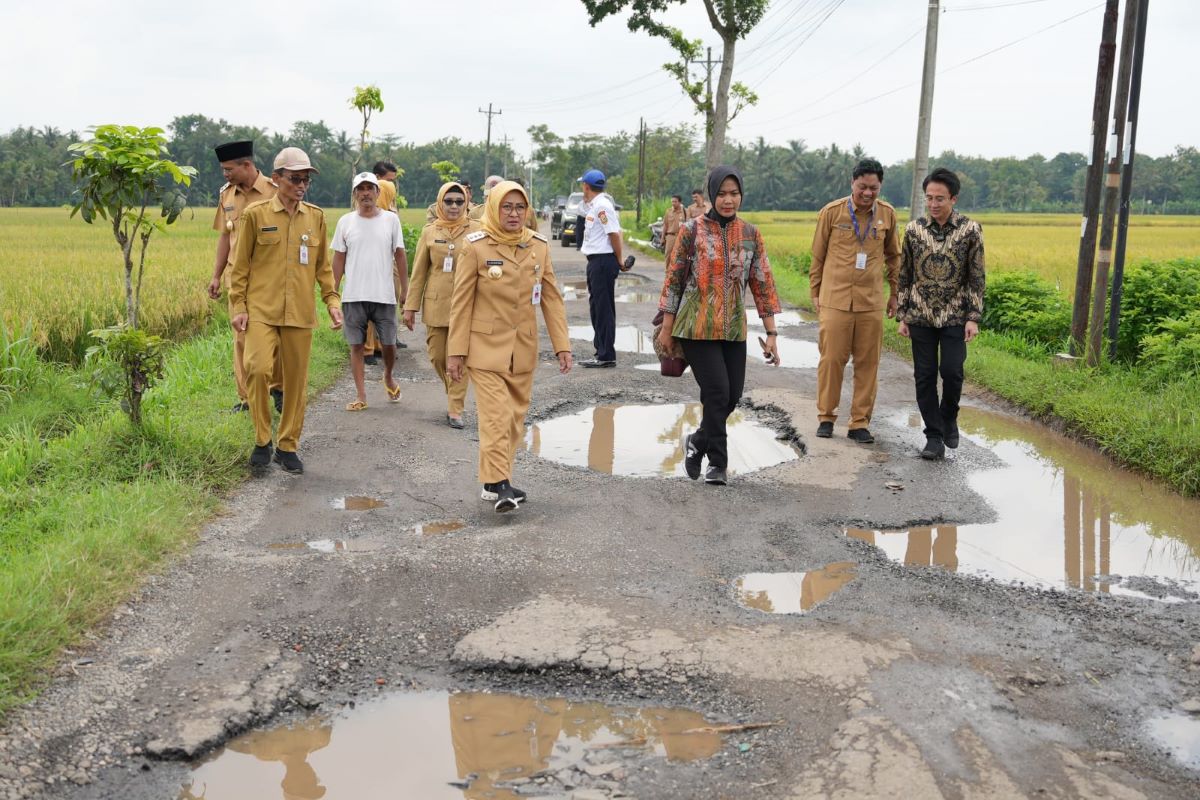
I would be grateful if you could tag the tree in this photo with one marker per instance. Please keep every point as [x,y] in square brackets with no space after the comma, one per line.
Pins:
[121,172]
[366,99]
[731,20]
[446,170]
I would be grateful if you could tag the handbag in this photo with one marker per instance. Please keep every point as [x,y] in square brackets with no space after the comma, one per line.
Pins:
[669,364]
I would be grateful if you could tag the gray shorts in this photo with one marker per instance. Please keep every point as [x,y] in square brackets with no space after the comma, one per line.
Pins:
[356,314]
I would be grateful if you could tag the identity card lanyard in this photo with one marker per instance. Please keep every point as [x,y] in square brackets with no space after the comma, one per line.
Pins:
[860,261]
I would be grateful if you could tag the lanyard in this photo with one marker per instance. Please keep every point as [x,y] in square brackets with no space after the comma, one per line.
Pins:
[862,237]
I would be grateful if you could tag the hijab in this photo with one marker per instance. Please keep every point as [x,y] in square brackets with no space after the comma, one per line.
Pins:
[453,227]
[715,179]
[491,215]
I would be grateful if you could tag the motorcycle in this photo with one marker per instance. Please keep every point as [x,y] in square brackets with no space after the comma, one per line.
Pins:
[656,235]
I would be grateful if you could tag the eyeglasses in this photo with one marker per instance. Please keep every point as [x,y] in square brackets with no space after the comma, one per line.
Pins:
[450,202]
[509,208]
[299,179]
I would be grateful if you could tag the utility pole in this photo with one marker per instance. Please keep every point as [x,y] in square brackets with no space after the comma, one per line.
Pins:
[1091,201]
[925,115]
[1135,96]
[1112,182]
[487,148]
[504,144]
[641,165]
[709,112]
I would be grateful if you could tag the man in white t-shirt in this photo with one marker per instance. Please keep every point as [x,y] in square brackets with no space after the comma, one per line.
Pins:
[368,247]
[602,246]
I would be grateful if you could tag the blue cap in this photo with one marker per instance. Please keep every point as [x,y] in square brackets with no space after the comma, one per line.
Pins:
[594,178]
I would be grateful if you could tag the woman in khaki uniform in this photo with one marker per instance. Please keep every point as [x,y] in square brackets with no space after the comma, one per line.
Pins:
[438,254]
[504,274]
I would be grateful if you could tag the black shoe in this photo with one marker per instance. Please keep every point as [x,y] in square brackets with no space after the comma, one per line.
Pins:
[715,476]
[457,424]
[506,498]
[401,345]
[951,429]
[277,396]
[261,457]
[289,461]
[825,430]
[595,363]
[861,435]
[934,450]
[370,360]
[490,494]
[240,407]
[691,458]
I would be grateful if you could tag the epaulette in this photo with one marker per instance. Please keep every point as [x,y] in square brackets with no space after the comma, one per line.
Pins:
[223,188]
[541,236]
[476,236]
[311,205]
[255,204]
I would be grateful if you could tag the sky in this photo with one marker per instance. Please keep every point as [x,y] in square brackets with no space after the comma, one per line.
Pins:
[1015,77]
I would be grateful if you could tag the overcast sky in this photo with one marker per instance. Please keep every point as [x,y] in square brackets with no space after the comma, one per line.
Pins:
[815,64]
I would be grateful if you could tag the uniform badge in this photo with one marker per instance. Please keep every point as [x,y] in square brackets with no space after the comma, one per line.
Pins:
[603,217]
[494,269]
[228,224]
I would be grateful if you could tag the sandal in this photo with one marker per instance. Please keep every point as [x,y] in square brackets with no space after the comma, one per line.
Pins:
[393,395]
[357,405]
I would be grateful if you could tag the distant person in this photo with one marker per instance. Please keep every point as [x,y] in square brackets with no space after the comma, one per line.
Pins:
[704,314]
[854,246]
[244,185]
[673,220]
[282,252]
[602,246]
[494,339]
[489,184]
[941,304]
[699,206]
[368,249]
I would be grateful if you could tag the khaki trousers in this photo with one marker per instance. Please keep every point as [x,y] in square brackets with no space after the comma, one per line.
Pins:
[239,358]
[668,246]
[269,346]
[456,393]
[370,341]
[501,400]
[845,334]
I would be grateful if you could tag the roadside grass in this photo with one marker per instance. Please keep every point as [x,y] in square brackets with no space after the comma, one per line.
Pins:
[88,506]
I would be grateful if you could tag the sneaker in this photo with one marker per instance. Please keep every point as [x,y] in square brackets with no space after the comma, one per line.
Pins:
[490,494]
[861,435]
[595,363]
[506,498]
[935,449]
[692,458]
[457,424]
[240,407]
[277,396]
[825,430]
[715,476]
[261,457]
[951,433]
[289,461]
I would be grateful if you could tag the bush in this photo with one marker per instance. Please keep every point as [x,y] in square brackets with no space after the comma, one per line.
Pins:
[1173,352]
[1027,305]
[1154,292]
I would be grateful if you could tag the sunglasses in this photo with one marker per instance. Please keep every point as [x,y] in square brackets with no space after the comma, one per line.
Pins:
[299,179]
[454,202]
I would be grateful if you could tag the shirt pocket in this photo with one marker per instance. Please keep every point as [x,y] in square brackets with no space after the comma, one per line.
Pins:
[267,238]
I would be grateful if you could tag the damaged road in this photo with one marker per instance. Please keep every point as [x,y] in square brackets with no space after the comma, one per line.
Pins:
[381,632]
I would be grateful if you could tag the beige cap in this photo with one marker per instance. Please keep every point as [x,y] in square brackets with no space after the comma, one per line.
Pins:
[293,158]
[364,177]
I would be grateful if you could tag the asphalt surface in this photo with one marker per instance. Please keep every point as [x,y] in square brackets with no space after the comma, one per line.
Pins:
[904,682]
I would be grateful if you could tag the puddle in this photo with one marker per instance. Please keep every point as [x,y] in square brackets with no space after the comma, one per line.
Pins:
[576,288]
[331,545]
[418,745]
[795,353]
[439,527]
[1179,735]
[792,592]
[356,503]
[647,441]
[784,319]
[656,367]
[1067,517]
[629,338]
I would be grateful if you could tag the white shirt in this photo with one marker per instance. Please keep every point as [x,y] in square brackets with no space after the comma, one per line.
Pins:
[600,220]
[370,245]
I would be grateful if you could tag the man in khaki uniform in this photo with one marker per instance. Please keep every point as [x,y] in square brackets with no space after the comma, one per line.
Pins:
[854,245]
[492,181]
[699,206]
[282,251]
[504,275]
[244,185]
[673,220]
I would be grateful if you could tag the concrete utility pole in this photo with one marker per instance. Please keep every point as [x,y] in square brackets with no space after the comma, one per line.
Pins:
[925,115]
[487,148]
[641,165]
[1135,96]
[1112,182]
[1091,201]
[504,144]
[709,111]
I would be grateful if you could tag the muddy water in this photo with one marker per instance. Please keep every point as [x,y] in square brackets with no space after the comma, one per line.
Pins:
[647,441]
[417,745]
[794,353]
[1179,735]
[784,319]
[1067,517]
[627,285]
[792,592]
[356,503]
[629,338]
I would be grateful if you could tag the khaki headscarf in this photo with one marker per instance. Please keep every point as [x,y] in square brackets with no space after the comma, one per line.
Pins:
[491,215]
[453,227]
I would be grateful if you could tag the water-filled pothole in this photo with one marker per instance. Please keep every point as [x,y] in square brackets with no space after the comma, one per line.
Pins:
[629,338]
[356,503]
[369,544]
[576,288]
[1067,516]
[648,441]
[794,353]
[437,745]
[439,527]
[784,319]
[1179,735]
[792,592]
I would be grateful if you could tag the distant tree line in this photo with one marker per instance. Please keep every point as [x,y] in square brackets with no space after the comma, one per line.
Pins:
[778,177]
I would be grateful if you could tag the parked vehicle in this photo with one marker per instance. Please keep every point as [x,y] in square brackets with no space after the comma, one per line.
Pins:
[556,216]
[568,216]
[656,235]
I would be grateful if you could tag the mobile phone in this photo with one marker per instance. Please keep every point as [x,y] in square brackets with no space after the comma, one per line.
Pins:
[767,354]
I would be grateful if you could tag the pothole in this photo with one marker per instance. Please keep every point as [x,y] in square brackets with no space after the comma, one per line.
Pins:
[576,288]
[1067,517]
[792,592]
[368,544]
[648,440]
[793,353]
[439,527]
[1179,735]
[356,503]
[450,745]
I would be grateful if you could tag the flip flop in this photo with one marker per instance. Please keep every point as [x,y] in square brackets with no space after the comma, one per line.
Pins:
[357,405]
[393,396]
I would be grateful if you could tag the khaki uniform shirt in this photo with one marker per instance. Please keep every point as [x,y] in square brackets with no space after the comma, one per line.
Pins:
[230,205]
[432,286]
[269,283]
[431,213]
[833,277]
[493,321]
[697,210]
[476,211]
[672,220]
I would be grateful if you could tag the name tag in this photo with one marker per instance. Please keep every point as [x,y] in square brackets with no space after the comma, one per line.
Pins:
[537,293]
[269,228]
[304,254]
[439,241]
[860,260]
[229,208]
[448,264]
[497,263]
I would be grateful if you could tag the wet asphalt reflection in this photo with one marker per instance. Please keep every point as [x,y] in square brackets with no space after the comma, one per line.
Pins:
[792,592]
[794,353]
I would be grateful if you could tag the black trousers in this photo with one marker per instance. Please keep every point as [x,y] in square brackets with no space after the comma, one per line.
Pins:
[938,350]
[720,370]
[602,269]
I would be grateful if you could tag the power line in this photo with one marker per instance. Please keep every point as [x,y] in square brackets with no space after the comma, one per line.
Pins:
[802,36]
[990,6]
